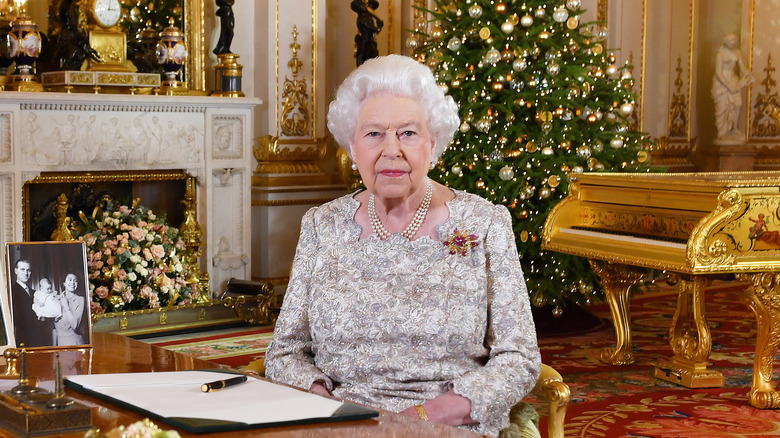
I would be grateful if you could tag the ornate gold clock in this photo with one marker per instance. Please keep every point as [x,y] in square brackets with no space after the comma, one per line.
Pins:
[105,36]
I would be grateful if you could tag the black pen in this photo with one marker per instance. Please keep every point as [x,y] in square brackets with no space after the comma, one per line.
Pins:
[221,384]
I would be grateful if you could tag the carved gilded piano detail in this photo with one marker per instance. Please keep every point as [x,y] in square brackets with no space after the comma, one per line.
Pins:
[695,225]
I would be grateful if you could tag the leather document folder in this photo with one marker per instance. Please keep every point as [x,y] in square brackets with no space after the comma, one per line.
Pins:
[175,398]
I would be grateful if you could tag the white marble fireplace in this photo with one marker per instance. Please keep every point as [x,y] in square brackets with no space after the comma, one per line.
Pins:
[209,138]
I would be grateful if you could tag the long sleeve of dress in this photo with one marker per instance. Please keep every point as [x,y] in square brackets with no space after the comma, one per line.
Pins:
[514,363]
[289,358]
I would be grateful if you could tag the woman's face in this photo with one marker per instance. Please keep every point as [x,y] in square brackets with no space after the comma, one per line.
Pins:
[71,283]
[392,146]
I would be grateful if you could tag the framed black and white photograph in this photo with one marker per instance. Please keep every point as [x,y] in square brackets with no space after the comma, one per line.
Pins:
[48,291]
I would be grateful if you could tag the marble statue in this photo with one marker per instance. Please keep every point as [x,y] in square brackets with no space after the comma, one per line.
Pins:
[731,76]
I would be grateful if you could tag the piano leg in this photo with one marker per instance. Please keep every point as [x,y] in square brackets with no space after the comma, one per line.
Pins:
[617,280]
[763,294]
[690,339]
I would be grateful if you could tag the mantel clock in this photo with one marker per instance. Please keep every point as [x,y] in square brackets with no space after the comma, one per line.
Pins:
[106,38]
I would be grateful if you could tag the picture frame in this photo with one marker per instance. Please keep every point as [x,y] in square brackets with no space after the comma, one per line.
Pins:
[6,328]
[48,295]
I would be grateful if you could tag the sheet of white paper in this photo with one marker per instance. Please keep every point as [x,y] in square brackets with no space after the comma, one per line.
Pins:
[178,394]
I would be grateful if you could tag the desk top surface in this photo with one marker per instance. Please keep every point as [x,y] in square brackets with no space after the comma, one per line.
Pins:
[118,354]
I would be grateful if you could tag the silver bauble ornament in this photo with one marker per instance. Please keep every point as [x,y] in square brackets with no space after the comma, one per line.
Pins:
[597,146]
[602,32]
[475,11]
[611,70]
[506,173]
[539,12]
[483,125]
[626,109]
[519,64]
[573,5]
[584,151]
[544,192]
[453,44]
[526,20]
[465,127]
[507,27]
[456,170]
[626,74]
[560,15]
[493,56]
[616,142]
[547,150]
[412,43]
[553,68]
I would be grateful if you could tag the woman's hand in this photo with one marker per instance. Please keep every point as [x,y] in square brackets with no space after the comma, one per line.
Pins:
[449,408]
[319,388]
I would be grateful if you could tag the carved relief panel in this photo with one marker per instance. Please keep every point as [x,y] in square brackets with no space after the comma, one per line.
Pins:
[110,139]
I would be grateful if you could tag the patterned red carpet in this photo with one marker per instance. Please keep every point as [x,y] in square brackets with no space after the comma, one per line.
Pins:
[608,401]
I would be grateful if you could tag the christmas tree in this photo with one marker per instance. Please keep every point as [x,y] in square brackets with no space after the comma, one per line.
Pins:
[541,99]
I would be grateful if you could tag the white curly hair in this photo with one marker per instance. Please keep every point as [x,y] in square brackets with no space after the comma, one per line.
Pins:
[399,76]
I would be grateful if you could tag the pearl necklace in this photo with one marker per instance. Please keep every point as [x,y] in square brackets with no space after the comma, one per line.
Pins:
[414,225]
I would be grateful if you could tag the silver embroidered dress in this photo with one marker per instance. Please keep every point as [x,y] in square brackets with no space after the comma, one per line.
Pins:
[394,323]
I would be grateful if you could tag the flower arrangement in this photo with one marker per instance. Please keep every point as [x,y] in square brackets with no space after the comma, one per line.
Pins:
[139,429]
[135,260]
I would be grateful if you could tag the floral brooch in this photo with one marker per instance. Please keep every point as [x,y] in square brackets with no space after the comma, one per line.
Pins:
[461,242]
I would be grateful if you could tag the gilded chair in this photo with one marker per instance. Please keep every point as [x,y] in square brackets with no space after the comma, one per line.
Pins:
[550,386]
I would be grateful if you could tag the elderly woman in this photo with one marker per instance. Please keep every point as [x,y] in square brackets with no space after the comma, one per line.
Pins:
[407,296]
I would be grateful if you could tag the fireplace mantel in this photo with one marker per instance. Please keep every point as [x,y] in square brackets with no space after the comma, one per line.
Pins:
[208,137]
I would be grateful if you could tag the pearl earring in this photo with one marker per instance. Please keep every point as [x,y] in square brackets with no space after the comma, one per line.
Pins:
[433,165]
[354,166]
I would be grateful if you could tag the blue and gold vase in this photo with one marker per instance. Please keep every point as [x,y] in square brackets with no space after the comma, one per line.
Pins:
[24,42]
[171,55]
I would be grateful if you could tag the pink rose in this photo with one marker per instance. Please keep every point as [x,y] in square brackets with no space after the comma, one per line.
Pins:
[118,286]
[147,254]
[121,274]
[127,296]
[137,233]
[158,251]
[101,292]
[146,291]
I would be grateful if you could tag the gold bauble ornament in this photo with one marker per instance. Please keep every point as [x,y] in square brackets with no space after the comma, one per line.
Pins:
[642,156]
[498,86]
[592,118]
[501,8]
[436,33]
[480,184]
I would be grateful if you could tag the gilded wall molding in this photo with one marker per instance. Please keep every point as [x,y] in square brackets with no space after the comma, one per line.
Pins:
[295,120]
[275,155]
[766,119]
[678,111]
[602,10]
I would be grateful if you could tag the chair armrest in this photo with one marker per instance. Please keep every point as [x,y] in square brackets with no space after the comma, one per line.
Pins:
[557,394]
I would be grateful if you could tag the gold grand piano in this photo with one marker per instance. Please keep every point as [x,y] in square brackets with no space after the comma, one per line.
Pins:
[695,225]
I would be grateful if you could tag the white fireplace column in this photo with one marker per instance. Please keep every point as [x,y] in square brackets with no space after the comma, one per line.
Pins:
[208,137]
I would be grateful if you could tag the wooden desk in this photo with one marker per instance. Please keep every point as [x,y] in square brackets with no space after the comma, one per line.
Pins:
[119,354]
